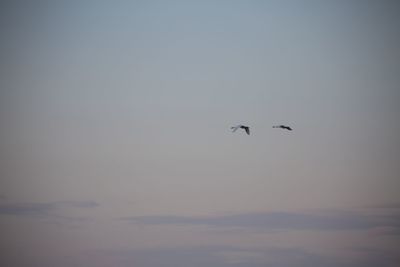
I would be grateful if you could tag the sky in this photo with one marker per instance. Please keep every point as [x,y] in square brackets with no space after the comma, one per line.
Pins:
[116,148]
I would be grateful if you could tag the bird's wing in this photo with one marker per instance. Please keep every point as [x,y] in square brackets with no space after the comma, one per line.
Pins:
[235,128]
[247,130]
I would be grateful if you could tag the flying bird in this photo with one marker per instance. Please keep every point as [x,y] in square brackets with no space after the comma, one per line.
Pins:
[246,128]
[282,127]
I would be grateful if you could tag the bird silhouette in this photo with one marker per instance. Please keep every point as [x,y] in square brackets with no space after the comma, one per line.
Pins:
[282,127]
[246,128]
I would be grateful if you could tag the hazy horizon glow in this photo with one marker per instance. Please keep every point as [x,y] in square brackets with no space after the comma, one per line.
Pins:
[116,145]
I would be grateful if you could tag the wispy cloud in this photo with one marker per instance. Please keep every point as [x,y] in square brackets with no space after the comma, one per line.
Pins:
[29,209]
[44,209]
[226,256]
[392,205]
[280,220]
[76,204]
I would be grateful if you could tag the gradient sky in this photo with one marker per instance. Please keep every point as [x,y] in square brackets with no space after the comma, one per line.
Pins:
[115,140]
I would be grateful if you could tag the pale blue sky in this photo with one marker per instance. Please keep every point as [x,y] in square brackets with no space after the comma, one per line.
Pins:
[115,113]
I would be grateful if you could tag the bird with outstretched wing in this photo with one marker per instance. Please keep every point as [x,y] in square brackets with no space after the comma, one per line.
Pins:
[283,127]
[246,128]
